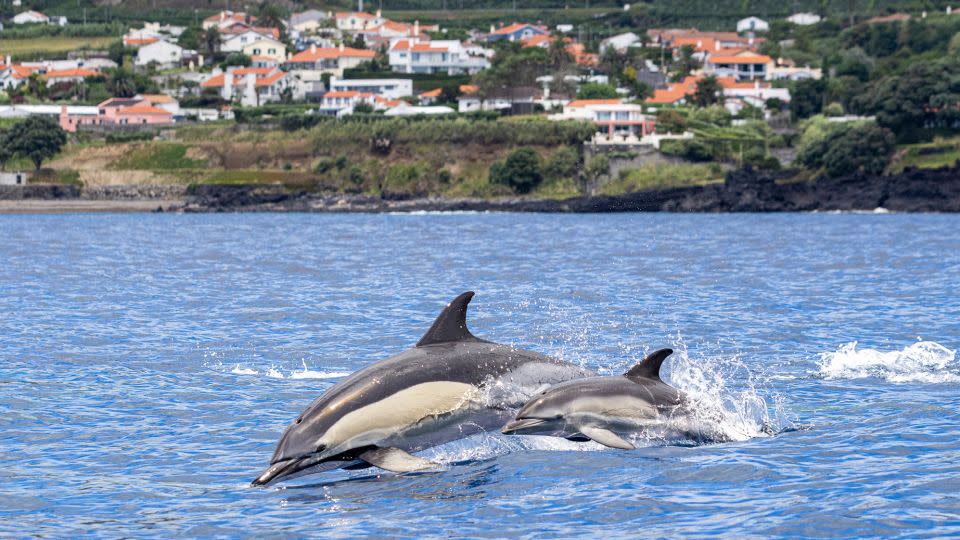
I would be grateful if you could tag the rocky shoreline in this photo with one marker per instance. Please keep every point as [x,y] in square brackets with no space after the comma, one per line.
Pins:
[914,190]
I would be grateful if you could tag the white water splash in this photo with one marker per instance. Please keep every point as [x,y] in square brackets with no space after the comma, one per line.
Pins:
[923,361]
[275,373]
[720,411]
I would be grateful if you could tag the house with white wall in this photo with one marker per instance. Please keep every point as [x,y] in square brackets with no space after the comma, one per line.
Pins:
[30,17]
[752,24]
[743,66]
[250,87]
[388,88]
[440,56]
[267,47]
[331,60]
[163,54]
[613,117]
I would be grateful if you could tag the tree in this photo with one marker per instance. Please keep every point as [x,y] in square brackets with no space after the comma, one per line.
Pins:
[270,15]
[806,98]
[116,51]
[38,138]
[5,151]
[848,148]
[237,59]
[708,92]
[596,91]
[521,170]
[190,38]
[121,83]
[363,108]
[211,40]
[669,121]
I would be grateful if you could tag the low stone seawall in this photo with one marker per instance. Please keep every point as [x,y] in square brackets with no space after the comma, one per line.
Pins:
[93,193]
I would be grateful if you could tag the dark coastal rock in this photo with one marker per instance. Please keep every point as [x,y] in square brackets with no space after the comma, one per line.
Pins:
[913,190]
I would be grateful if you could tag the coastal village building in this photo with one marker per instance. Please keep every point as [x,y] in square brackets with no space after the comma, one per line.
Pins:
[227,18]
[249,86]
[118,113]
[620,42]
[357,20]
[341,102]
[613,117]
[237,36]
[331,60]
[752,24]
[804,19]
[163,54]
[516,32]
[736,93]
[441,56]
[270,48]
[74,75]
[388,88]
[309,21]
[30,17]
[743,66]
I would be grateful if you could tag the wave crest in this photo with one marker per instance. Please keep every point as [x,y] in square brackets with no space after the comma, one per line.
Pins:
[923,361]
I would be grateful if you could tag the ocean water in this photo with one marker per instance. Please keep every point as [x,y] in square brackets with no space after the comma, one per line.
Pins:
[149,363]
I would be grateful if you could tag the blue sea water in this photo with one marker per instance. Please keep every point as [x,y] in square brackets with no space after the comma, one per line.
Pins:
[149,363]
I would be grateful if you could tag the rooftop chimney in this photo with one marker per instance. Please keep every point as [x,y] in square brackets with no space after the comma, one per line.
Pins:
[379,13]
[416,27]
[342,47]
[313,48]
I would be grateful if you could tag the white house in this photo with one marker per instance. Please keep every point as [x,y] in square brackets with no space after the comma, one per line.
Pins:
[227,18]
[440,56]
[743,66]
[388,88]
[30,17]
[309,21]
[405,109]
[357,20]
[250,86]
[319,60]
[164,54]
[804,19]
[619,42]
[235,42]
[738,95]
[752,24]
[267,47]
[612,117]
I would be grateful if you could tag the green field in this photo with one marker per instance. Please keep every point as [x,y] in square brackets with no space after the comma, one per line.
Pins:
[15,47]
[931,155]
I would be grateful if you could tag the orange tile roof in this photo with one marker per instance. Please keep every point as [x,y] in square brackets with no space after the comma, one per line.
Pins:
[388,102]
[237,16]
[143,109]
[139,41]
[588,102]
[357,14]
[158,98]
[21,72]
[536,41]
[751,59]
[675,92]
[342,94]
[240,28]
[264,77]
[406,45]
[432,93]
[509,29]
[330,52]
[63,73]
[468,88]
[698,43]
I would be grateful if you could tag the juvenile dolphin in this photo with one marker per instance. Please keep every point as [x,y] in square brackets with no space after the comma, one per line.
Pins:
[602,408]
[449,386]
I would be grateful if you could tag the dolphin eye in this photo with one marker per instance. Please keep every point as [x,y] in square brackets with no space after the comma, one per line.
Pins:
[299,419]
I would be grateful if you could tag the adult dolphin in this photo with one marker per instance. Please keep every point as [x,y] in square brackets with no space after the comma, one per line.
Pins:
[603,409]
[449,386]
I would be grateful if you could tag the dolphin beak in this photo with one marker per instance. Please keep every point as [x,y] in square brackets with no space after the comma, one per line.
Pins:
[520,424]
[274,472]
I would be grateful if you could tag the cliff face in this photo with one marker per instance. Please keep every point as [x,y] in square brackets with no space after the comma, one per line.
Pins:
[915,190]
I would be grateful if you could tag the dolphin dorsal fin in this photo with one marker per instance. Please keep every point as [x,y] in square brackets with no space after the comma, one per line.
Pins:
[451,324]
[649,368]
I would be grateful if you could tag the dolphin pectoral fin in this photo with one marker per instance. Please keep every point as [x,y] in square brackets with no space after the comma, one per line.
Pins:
[396,460]
[606,437]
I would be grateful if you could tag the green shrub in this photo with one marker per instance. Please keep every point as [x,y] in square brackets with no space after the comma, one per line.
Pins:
[521,170]
[563,163]
[356,175]
[848,148]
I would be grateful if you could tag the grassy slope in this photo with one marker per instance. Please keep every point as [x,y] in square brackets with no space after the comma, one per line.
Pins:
[58,44]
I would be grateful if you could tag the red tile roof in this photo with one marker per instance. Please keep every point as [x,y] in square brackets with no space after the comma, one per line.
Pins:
[64,73]
[588,102]
[509,29]
[745,59]
[330,52]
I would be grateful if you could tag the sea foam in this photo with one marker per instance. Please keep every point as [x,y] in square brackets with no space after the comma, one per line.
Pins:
[923,361]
